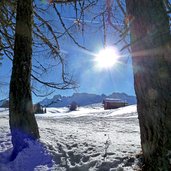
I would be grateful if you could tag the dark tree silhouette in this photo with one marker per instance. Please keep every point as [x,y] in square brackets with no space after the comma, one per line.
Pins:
[22,121]
[151,52]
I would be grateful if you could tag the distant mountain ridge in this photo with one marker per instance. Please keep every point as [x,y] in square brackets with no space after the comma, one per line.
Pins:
[83,99]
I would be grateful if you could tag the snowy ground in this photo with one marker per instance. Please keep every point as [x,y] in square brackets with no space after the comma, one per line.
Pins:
[90,139]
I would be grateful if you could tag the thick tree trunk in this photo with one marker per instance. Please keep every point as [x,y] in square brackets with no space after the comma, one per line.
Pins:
[151,55]
[22,121]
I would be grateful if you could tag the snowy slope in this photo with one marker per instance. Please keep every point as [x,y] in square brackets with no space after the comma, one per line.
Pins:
[89,139]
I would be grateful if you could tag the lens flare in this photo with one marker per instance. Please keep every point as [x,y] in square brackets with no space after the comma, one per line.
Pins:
[106,58]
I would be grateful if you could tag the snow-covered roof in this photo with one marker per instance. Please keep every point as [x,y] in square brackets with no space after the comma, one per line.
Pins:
[113,100]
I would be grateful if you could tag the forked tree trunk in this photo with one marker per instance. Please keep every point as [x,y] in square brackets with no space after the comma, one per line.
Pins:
[151,55]
[22,121]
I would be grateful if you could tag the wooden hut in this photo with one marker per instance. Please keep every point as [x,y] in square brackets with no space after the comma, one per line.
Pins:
[110,103]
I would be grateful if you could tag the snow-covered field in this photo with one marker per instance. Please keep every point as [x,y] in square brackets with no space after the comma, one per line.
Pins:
[89,139]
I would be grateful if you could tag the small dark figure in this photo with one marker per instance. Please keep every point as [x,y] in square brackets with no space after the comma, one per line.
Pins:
[73,106]
[45,110]
[38,108]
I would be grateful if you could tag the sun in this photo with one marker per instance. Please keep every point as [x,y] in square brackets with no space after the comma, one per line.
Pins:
[106,58]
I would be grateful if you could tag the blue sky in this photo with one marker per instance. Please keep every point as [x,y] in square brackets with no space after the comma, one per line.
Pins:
[81,65]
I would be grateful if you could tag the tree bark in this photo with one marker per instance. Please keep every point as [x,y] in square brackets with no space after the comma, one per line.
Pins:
[151,56]
[22,120]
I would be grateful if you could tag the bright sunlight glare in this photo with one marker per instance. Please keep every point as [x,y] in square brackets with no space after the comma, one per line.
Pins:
[106,58]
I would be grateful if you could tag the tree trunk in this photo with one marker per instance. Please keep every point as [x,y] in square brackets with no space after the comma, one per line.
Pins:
[22,120]
[151,56]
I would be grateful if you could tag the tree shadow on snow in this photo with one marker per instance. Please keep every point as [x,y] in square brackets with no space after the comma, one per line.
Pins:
[34,156]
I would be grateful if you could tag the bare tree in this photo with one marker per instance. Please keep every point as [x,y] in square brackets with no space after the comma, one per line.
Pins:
[22,120]
[45,41]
